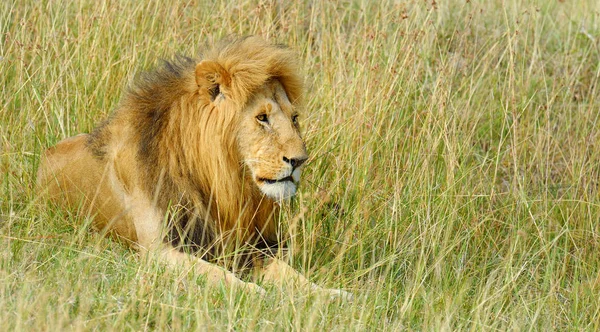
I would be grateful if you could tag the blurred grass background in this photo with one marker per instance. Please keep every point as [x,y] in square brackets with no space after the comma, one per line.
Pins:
[453,180]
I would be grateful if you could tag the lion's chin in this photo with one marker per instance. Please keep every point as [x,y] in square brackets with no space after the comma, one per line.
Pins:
[279,191]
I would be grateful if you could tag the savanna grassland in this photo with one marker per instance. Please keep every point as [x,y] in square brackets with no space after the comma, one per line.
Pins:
[454,179]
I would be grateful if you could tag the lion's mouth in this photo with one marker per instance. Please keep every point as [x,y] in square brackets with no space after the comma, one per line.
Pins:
[271,181]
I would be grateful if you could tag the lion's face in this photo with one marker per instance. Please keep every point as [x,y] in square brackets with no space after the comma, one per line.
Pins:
[270,143]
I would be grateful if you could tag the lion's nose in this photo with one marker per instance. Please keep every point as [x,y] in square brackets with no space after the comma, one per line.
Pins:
[295,162]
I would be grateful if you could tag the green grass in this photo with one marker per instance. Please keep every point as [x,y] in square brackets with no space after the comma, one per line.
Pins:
[454,181]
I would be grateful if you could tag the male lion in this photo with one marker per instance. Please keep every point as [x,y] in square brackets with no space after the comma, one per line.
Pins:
[193,163]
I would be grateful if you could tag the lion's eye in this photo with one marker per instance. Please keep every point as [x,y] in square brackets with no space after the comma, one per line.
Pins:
[295,119]
[262,118]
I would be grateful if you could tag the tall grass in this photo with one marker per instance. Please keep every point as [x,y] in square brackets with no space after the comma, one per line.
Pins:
[453,180]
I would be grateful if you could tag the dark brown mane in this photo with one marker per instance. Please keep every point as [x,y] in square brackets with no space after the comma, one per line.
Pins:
[158,89]
[152,97]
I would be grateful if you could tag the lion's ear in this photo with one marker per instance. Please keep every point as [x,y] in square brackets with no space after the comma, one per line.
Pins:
[211,77]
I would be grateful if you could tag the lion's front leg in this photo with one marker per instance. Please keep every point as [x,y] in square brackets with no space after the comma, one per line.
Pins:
[214,274]
[281,275]
[148,225]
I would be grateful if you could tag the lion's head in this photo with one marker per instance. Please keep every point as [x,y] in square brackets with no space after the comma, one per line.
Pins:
[256,87]
[270,143]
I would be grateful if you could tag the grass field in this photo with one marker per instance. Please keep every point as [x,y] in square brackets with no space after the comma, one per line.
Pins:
[454,179]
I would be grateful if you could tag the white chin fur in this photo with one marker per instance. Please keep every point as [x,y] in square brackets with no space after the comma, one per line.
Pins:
[280,190]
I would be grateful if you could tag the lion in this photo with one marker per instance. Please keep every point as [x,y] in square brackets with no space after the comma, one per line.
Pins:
[193,164]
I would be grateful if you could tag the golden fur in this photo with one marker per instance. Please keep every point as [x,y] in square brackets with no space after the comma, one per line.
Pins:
[195,157]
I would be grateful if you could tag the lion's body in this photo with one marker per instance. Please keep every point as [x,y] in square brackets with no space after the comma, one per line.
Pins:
[195,157]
